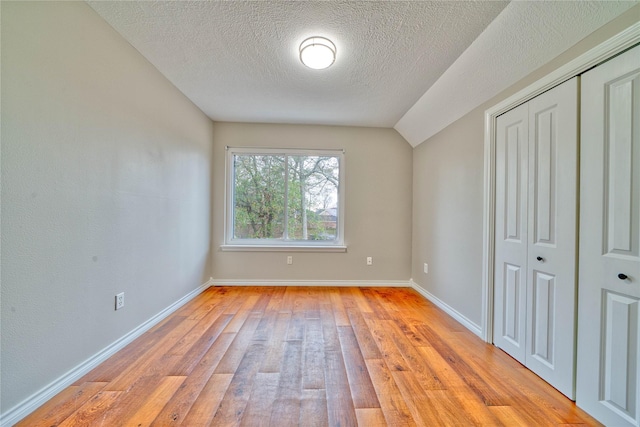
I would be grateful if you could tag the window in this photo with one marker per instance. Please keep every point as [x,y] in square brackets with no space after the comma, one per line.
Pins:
[284,199]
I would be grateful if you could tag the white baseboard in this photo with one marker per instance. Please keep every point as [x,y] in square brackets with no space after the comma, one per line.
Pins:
[326,283]
[34,401]
[462,319]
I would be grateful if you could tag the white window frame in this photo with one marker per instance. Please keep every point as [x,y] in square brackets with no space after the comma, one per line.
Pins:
[231,244]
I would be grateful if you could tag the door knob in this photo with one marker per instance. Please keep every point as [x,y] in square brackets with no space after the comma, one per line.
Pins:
[540,258]
[622,276]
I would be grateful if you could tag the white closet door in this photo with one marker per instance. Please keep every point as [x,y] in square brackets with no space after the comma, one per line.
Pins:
[511,238]
[551,259]
[609,277]
[535,235]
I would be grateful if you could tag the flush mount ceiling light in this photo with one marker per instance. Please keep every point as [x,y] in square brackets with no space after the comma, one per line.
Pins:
[317,52]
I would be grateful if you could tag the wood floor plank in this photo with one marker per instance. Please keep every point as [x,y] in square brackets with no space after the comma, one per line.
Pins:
[275,346]
[262,398]
[286,407]
[264,330]
[363,393]
[329,328]
[205,406]
[475,382]
[180,404]
[446,373]
[340,408]
[132,398]
[365,338]
[370,417]
[467,399]
[93,411]
[348,299]
[476,410]
[296,299]
[213,298]
[264,296]
[313,408]
[313,355]
[184,344]
[340,314]
[361,302]
[410,333]
[151,407]
[532,388]
[289,297]
[241,313]
[106,372]
[260,356]
[312,305]
[426,375]
[234,402]
[387,298]
[296,327]
[190,358]
[276,299]
[236,351]
[490,362]
[429,407]
[143,365]
[371,297]
[393,406]
[63,405]
[388,350]
[509,416]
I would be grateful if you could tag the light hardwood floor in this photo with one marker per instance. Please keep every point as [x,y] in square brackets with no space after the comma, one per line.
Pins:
[289,356]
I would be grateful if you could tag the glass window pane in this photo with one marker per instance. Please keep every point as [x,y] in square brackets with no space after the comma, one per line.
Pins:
[259,196]
[312,208]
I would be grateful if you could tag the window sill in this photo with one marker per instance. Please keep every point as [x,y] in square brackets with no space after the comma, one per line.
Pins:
[283,248]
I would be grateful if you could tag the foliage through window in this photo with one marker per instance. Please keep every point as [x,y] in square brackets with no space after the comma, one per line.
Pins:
[284,197]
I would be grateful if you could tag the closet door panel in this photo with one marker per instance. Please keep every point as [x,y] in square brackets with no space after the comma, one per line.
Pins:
[543,318]
[544,153]
[609,276]
[620,323]
[621,195]
[535,240]
[511,233]
[511,304]
[551,255]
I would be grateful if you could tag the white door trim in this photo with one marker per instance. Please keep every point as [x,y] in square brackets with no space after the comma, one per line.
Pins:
[616,44]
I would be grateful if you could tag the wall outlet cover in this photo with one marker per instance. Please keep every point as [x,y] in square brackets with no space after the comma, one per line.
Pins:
[119,300]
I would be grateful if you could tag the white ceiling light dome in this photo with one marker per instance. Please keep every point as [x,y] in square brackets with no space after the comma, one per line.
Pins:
[317,52]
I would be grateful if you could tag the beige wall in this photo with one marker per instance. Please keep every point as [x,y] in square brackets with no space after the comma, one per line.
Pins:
[448,193]
[105,188]
[378,205]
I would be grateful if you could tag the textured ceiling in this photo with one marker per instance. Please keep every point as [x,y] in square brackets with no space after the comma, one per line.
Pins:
[525,36]
[416,66]
[239,60]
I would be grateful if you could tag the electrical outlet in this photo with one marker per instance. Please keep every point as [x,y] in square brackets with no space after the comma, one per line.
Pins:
[289,260]
[369,260]
[426,268]
[119,300]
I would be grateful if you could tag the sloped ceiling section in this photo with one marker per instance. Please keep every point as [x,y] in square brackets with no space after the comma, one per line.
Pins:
[239,60]
[525,36]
